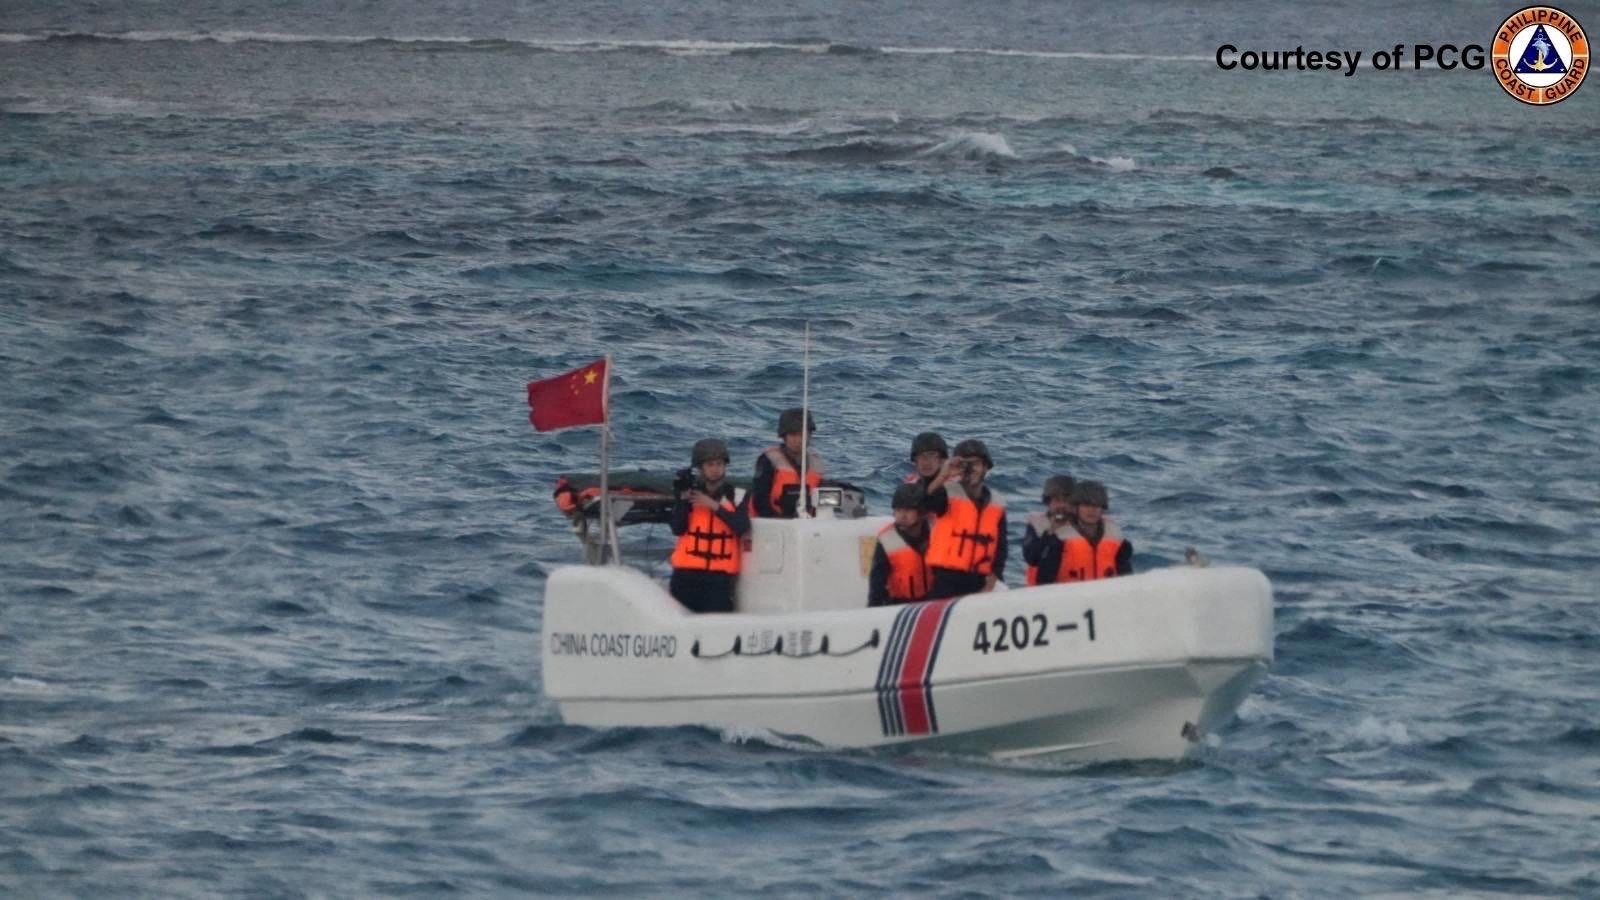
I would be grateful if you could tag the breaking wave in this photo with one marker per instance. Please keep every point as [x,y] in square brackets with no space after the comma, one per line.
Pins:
[973,146]
[682,47]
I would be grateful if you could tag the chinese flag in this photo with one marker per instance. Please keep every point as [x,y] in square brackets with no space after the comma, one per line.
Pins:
[575,398]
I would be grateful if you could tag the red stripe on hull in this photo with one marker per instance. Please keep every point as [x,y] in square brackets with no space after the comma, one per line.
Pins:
[914,671]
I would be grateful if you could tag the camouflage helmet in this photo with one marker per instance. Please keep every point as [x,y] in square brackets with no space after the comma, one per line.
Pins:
[708,449]
[1091,492]
[789,421]
[909,496]
[929,440]
[1057,486]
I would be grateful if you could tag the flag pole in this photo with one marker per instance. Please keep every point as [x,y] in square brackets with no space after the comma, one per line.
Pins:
[608,531]
[804,510]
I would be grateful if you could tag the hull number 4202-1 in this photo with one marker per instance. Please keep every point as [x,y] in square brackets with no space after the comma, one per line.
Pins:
[1022,632]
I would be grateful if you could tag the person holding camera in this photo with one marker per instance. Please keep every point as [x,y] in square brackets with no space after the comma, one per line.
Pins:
[1045,530]
[775,490]
[967,552]
[710,529]
[900,571]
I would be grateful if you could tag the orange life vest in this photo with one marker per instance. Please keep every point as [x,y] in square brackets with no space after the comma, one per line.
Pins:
[708,545]
[785,475]
[1082,561]
[965,538]
[909,575]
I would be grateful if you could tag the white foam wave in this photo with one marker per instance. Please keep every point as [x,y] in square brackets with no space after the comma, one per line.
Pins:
[788,128]
[1041,54]
[973,145]
[1116,163]
[744,734]
[682,47]
[715,106]
[1375,733]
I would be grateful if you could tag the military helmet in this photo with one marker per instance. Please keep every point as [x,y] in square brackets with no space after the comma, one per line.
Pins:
[909,496]
[975,447]
[1057,486]
[929,440]
[789,421]
[708,449]
[1091,492]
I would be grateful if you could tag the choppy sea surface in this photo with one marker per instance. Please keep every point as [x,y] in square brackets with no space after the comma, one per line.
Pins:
[274,528]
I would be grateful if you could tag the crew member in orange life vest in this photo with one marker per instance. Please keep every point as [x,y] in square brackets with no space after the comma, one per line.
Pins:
[1054,521]
[968,549]
[710,527]
[775,489]
[899,563]
[1094,548]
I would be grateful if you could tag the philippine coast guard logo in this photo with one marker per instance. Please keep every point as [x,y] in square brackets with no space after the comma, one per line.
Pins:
[1540,55]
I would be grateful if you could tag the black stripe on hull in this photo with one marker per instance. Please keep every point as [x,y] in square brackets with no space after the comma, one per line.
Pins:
[890,715]
[933,660]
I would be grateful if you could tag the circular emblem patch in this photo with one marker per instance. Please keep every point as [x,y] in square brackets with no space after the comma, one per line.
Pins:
[1540,55]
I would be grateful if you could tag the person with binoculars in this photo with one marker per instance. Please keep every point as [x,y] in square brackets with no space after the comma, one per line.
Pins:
[710,530]
[1045,530]
[967,552]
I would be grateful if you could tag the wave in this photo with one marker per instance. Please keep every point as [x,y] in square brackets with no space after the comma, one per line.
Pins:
[969,146]
[1116,163]
[676,47]
[1068,153]
[1043,54]
[868,151]
[928,197]
[973,145]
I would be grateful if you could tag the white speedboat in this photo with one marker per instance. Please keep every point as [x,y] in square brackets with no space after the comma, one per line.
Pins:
[1138,667]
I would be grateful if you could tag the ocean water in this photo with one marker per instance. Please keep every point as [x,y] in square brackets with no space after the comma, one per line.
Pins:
[274,528]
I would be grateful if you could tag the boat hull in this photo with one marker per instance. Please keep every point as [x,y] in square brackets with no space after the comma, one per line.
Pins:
[1129,668]
[1065,716]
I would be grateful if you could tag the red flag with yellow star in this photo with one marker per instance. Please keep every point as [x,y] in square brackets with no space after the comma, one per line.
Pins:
[565,401]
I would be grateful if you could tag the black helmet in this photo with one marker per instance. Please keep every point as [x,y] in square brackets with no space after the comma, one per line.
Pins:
[1057,486]
[789,422]
[1091,492]
[975,447]
[708,449]
[909,496]
[929,440]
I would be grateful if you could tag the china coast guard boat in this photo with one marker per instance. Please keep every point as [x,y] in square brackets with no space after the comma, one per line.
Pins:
[1137,667]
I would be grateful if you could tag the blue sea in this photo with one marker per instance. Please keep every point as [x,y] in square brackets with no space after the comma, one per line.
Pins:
[274,528]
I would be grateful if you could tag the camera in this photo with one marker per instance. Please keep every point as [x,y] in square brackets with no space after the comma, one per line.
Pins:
[685,480]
